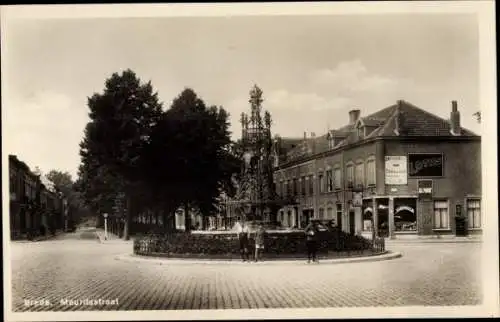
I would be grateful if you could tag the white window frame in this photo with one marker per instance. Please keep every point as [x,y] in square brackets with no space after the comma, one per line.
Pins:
[349,171]
[470,223]
[359,178]
[434,223]
[371,176]
[329,180]
[321,182]
[329,212]
[337,178]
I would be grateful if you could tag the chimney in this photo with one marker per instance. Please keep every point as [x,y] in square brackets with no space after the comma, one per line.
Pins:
[455,119]
[305,136]
[398,119]
[353,116]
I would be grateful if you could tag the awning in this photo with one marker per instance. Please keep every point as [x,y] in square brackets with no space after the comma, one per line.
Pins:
[407,208]
[368,209]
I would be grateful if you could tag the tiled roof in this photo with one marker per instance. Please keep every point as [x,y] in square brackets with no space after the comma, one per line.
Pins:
[413,122]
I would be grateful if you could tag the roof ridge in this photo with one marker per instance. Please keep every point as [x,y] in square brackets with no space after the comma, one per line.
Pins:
[383,127]
[436,116]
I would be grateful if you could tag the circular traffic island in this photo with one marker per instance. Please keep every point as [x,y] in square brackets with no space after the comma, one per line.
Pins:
[278,245]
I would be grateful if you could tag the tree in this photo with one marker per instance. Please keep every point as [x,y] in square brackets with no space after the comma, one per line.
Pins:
[193,144]
[121,119]
[62,181]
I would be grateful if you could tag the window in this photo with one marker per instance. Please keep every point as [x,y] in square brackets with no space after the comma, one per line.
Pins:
[338,220]
[441,214]
[359,174]
[370,172]
[321,213]
[329,213]
[294,187]
[303,186]
[321,182]
[474,213]
[329,180]
[367,220]
[350,175]
[311,184]
[360,132]
[337,178]
[287,188]
[281,189]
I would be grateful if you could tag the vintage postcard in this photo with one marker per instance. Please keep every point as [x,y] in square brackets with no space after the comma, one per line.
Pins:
[262,161]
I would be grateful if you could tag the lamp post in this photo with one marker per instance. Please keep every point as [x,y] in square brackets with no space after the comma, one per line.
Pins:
[105,226]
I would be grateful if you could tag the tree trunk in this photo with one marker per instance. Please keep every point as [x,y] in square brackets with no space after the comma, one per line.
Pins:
[171,221]
[128,216]
[187,218]
[204,222]
[165,221]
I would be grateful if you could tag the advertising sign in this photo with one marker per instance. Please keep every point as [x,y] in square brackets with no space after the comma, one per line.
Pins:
[396,170]
[425,165]
[425,189]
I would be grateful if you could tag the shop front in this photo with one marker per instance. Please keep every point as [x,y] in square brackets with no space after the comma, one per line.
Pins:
[389,217]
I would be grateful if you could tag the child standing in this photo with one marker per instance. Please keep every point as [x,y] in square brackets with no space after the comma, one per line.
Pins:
[259,241]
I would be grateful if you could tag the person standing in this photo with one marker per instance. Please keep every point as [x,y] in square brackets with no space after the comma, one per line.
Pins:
[242,231]
[259,241]
[311,244]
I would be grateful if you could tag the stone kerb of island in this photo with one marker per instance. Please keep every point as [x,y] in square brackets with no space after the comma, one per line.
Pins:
[279,244]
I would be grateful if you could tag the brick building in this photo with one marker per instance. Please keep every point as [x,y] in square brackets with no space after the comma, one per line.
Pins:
[398,172]
[33,208]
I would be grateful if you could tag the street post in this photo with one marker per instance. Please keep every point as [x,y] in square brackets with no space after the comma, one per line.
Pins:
[105,226]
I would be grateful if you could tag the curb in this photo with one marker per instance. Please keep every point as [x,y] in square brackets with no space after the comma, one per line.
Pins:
[433,241]
[174,261]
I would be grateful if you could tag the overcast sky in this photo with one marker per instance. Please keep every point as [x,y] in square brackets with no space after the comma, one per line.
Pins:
[312,70]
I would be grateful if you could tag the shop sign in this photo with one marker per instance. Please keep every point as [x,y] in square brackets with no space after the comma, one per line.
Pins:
[396,170]
[425,189]
[425,165]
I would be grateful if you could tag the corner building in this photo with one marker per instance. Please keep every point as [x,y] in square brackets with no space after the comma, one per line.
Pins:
[401,172]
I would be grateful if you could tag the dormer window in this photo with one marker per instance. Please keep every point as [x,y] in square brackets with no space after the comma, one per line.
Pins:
[360,132]
[331,142]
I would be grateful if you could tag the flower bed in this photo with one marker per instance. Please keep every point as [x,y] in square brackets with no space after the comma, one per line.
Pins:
[222,245]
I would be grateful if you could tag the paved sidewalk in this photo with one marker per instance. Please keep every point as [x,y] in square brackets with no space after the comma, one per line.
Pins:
[296,261]
[426,240]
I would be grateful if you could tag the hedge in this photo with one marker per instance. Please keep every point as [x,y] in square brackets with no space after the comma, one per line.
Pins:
[276,244]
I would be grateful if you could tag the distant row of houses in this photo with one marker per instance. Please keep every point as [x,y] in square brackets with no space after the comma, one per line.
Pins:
[35,207]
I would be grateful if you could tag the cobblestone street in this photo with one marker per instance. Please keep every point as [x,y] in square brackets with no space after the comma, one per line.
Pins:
[77,266]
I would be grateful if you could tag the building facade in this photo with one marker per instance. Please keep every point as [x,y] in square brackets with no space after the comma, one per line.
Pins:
[33,208]
[399,172]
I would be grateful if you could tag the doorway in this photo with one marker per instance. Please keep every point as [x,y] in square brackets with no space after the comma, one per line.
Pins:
[352,222]
[383,223]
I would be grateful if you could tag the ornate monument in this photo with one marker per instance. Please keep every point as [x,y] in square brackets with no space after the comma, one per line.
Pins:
[256,195]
